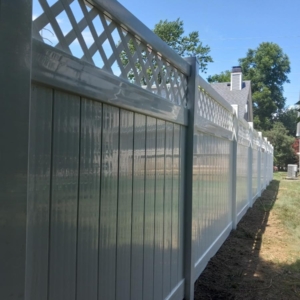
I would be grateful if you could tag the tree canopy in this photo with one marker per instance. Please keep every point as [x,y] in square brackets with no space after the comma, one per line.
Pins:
[298,110]
[222,77]
[267,67]
[172,32]
[288,117]
[282,143]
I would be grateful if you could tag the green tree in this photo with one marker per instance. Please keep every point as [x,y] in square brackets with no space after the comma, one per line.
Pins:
[282,143]
[288,117]
[267,67]
[172,32]
[298,110]
[222,77]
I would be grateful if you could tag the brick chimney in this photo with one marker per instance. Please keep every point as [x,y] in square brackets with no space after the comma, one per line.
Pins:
[236,78]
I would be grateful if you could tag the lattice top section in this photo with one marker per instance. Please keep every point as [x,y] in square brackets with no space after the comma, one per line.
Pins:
[213,111]
[243,134]
[81,30]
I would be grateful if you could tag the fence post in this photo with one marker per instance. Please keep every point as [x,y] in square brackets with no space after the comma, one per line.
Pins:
[234,165]
[266,162]
[15,62]
[250,164]
[270,167]
[259,187]
[272,160]
[188,193]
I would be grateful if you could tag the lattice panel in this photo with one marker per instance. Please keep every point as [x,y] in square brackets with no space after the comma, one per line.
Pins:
[243,135]
[81,30]
[211,110]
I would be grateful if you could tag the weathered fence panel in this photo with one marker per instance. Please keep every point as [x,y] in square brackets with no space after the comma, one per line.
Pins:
[137,168]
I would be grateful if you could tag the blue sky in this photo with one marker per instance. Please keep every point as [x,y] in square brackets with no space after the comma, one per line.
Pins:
[231,27]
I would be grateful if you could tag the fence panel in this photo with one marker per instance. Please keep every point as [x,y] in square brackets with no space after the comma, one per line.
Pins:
[108,218]
[262,166]
[243,141]
[211,195]
[255,165]
[212,209]
[241,181]
[135,164]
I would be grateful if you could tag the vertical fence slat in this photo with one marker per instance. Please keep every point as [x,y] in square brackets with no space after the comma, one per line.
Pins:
[159,209]
[89,196]
[137,250]
[65,168]
[149,209]
[108,204]
[175,206]
[167,211]
[123,267]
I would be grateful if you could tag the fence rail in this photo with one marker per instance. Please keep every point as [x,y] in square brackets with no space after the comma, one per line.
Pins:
[126,171]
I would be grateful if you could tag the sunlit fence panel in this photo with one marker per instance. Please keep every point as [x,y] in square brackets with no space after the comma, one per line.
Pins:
[211,193]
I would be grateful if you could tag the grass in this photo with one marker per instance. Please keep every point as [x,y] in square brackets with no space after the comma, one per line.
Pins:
[287,206]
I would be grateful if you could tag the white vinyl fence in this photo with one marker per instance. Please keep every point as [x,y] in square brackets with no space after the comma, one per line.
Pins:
[122,170]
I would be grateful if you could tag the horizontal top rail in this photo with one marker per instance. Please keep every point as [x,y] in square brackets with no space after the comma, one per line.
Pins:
[124,17]
[53,67]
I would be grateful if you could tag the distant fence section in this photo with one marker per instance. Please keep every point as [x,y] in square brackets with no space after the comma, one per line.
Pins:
[134,169]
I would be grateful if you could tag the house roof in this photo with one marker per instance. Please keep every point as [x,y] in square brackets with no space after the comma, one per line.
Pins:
[239,97]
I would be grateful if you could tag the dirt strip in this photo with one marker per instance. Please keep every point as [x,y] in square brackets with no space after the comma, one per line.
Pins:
[256,261]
